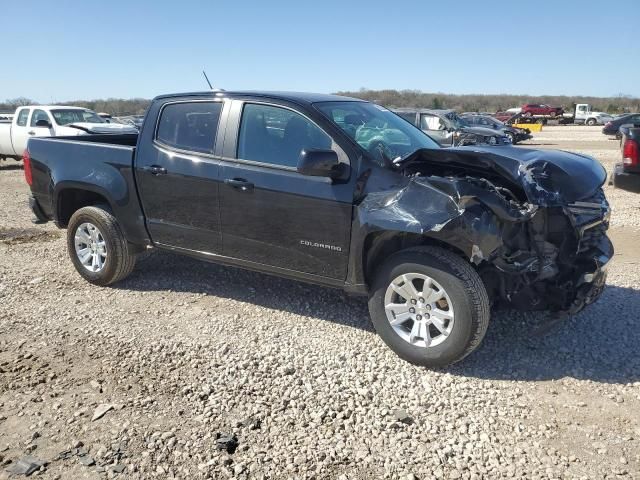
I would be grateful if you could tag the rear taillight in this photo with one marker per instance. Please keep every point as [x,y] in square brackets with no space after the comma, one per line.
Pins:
[630,153]
[608,124]
[26,160]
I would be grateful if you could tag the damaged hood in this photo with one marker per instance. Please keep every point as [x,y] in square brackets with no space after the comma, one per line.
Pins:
[548,177]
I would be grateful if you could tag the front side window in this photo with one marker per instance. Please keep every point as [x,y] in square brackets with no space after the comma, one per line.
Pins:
[431,122]
[39,115]
[277,135]
[22,117]
[66,116]
[189,126]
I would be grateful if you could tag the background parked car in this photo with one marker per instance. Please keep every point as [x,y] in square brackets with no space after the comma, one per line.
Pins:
[448,129]
[612,127]
[626,175]
[515,134]
[531,109]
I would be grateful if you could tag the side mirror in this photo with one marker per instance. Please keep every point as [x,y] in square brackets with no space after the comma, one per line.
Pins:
[43,123]
[319,163]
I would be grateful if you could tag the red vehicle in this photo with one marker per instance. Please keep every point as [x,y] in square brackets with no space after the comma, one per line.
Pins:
[531,109]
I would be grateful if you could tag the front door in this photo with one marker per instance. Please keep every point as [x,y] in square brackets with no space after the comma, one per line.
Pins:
[178,175]
[436,128]
[272,215]
[34,130]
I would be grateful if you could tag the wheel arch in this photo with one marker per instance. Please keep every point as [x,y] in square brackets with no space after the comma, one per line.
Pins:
[71,197]
[380,245]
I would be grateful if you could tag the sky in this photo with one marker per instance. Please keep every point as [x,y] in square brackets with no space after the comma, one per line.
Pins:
[59,50]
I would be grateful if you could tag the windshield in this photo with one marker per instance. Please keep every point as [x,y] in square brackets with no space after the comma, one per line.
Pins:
[67,116]
[378,130]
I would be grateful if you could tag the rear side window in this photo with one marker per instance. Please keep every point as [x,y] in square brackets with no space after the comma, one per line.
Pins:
[189,126]
[409,117]
[22,117]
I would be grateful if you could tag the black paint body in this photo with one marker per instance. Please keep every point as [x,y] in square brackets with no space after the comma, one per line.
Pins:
[336,231]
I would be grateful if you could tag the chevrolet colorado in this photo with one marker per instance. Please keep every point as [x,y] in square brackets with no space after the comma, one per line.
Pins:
[339,192]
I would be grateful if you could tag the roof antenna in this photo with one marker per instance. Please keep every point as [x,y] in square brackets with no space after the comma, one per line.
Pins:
[207,79]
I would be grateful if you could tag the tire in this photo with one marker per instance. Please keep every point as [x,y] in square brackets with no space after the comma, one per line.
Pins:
[512,137]
[462,286]
[591,122]
[118,261]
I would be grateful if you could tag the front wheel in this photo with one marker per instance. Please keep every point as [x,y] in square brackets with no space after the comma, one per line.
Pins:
[591,122]
[511,137]
[429,306]
[97,247]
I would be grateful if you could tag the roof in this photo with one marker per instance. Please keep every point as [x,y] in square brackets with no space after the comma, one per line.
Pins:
[50,107]
[296,97]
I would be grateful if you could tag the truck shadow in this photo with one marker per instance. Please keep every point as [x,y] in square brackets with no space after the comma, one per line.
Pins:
[10,166]
[599,344]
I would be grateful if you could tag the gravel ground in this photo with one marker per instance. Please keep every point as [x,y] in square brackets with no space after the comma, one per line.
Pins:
[191,370]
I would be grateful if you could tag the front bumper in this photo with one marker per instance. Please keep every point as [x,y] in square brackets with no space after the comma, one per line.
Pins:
[592,282]
[626,180]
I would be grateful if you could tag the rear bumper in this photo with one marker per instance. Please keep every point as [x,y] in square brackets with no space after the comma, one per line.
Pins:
[626,180]
[37,210]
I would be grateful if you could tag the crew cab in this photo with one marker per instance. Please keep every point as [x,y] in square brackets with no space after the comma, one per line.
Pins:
[626,175]
[338,192]
[50,121]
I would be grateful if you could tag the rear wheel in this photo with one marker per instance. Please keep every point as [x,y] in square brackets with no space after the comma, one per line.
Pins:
[97,247]
[429,306]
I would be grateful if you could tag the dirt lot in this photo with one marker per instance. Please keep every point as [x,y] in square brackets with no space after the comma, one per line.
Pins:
[183,352]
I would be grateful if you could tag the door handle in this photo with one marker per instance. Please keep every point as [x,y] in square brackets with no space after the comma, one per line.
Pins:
[155,170]
[239,184]
[31,132]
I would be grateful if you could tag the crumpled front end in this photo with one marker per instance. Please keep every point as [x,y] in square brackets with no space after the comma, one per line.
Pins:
[536,246]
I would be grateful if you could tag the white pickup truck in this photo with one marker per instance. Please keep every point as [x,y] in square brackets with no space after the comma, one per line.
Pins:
[51,121]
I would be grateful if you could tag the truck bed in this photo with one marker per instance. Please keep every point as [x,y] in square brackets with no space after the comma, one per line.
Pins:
[101,163]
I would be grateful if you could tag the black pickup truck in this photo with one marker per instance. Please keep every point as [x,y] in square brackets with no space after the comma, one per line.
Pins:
[338,192]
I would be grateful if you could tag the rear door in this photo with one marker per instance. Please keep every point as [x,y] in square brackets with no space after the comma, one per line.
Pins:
[272,215]
[178,175]
[19,131]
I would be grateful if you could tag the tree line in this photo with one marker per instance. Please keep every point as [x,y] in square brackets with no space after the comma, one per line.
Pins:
[115,106]
[388,98]
[489,103]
